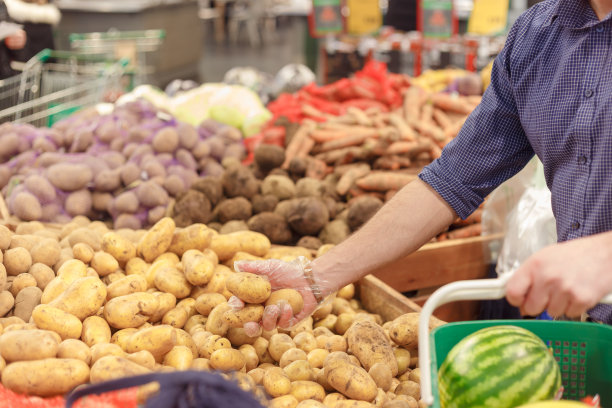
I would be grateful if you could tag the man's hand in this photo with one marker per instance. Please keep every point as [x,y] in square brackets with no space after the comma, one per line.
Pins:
[564,279]
[283,275]
[16,41]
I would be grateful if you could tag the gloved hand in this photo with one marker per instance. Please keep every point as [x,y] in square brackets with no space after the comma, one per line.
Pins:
[285,275]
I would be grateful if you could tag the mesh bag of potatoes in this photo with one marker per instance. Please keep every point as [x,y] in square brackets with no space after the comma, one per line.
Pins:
[84,304]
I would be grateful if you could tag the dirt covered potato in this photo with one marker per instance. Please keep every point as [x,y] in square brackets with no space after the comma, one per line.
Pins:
[308,216]
[238,181]
[272,225]
[238,208]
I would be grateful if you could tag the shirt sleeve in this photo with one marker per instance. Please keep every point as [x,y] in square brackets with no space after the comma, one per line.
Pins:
[490,148]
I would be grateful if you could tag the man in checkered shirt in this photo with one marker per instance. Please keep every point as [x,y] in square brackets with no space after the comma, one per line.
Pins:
[550,95]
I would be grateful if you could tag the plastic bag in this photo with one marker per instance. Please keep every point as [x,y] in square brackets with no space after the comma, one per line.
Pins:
[530,225]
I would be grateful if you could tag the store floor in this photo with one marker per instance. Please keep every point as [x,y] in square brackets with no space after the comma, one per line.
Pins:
[287,46]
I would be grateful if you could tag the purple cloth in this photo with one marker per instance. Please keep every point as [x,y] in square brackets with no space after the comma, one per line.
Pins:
[550,94]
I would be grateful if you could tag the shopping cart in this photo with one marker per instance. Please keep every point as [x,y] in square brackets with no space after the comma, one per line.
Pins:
[583,350]
[54,84]
[137,46]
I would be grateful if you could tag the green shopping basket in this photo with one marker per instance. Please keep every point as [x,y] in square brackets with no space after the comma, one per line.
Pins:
[583,350]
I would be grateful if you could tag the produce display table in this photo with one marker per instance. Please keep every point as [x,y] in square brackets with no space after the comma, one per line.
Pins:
[181,50]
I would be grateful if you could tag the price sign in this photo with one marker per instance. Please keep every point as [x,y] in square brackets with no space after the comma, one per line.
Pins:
[326,18]
[488,17]
[437,19]
[364,16]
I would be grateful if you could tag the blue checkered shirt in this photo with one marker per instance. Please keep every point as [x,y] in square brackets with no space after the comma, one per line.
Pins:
[550,94]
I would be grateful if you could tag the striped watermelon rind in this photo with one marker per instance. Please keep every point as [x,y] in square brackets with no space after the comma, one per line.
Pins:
[499,366]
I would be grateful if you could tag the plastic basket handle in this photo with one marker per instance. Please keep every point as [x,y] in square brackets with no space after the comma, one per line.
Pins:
[479,289]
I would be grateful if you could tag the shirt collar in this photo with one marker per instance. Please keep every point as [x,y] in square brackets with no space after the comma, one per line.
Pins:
[576,14]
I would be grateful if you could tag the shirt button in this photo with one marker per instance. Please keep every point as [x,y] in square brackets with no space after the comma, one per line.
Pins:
[582,159]
[575,225]
[599,29]
[588,93]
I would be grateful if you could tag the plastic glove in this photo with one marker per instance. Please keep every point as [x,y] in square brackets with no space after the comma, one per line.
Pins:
[286,275]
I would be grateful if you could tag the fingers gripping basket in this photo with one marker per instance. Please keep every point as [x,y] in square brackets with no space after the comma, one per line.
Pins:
[583,350]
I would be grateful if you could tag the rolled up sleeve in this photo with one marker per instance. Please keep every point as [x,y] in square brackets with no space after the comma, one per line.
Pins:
[490,148]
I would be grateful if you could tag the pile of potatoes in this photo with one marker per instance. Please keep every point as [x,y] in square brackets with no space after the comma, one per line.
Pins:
[125,166]
[83,303]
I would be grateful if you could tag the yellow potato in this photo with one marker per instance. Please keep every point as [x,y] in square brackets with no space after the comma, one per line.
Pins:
[23,345]
[206,302]
[193,321]
[169,279]
[143,358]
[180,357]
[369,344]
[195,236]
[176,317]
[17,260]
[250,356]
[51,318]
[105,349]
[286,401]
[347,292]
[322,311]
[353,404]
[290,296]
[288,253]
[199,339]
[157,240]
[415,375]
[25,302]
[299,370]
[166,301]
[199,269]
[317,357]
[332,343]
[217,282]
[350,380]
[332,398]
[112,367]
[291,355]
[305,341]
[83,252]
[72,348]
[227,359]
[276,383]
[157,339]
[382,375]
[303,390]
[257,375]
[226,245]
[279,343]
[20,282]
[68,273]
[402,356]
[136,266]
[121,337]
[184,339]
[306,325]
[261,347]
[45,377]
[130,310]
[250,313]
[249,287]
[95,330]
[104,264]
[410,388]
[189,305]
[343,322]
[216,324]
[83,298]
[201,364]
[212,344]
[238,337]
[125,286]
[120,248]
[328,322]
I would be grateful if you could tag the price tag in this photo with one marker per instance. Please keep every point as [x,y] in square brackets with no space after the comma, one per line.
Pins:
[364,17]
[488,17]
[436,18]
[326,18]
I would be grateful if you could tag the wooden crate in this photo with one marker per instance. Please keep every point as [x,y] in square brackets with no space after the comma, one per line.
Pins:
[437,264]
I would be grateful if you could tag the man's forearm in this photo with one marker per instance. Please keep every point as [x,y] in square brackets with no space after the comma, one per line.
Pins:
[414,215]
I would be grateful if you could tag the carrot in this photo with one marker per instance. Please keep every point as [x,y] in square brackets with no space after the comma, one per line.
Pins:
[296,141]
[389,194]
[359,116]
[343,156]
[410,148]
[316,169]
[348,179]
[325,135]
[340,170]
[435,151]
[383,181]
[392,162]
[405,131]
[414,98]
[442,118]
[452,103]
[473,230]
[427,113]
[430,130]
[351,140]
[343,120]
[305,147]
[314,113]
[452,131]
[474,99]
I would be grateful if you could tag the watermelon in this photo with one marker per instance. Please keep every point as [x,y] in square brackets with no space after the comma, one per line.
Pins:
[499,366]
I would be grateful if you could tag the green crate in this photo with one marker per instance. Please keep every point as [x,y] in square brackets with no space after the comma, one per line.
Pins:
[583,351]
